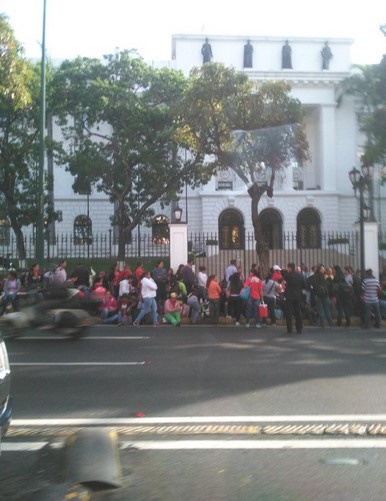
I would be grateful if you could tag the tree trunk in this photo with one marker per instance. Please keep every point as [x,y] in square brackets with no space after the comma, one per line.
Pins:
[12,211]
[262,249]
[19,241]
[122,230]
[121,244]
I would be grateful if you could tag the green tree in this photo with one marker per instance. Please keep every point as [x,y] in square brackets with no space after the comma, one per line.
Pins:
[256,130]
[19,142]
[119,118]
[368,85]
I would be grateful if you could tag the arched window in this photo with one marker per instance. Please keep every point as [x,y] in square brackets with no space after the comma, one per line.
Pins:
[272,228]
[231,230]
[308,229]
[82,230]
[160,230]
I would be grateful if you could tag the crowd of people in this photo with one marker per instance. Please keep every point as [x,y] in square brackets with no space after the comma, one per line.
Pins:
[323,295]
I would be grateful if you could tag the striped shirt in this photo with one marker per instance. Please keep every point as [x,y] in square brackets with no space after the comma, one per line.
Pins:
[370,290]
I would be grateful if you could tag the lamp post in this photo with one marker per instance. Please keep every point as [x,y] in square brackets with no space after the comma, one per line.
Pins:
[42,127]
[177,213]
[178,239]
[360,182]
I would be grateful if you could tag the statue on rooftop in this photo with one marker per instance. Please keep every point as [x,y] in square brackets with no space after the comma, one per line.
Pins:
[286,56]
[206,52]
[326,56]
[248,52]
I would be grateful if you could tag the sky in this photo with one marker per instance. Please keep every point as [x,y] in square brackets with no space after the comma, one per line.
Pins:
[93,28]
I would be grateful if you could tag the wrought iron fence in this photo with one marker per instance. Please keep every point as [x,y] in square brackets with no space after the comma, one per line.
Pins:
[333,248]
[101,245]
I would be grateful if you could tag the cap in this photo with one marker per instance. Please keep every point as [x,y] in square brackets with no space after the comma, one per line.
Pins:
[276,267]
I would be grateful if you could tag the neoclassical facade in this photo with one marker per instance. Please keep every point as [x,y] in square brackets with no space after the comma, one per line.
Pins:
[315,197]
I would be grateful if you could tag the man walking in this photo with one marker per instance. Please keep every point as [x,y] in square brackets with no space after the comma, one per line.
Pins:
[148,291]
[294,284]
[371,288]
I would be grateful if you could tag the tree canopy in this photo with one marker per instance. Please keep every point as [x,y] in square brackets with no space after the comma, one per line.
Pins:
[119,118]
[140,134]
[19,95]
[368,85]
[254,129]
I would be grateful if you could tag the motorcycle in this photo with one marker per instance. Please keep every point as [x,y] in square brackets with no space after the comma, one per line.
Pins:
[61,311]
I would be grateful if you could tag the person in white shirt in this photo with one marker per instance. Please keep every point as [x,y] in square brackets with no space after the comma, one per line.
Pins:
[202,278]
[61,273]
[371,288]
[148,292]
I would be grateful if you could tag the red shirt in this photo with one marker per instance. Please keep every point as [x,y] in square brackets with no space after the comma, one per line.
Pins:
[109,303]
[138,274]
[276,275]
[256,286]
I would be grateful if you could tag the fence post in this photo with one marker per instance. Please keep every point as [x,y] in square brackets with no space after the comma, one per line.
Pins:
[178,244]
[110,241]
[371,247]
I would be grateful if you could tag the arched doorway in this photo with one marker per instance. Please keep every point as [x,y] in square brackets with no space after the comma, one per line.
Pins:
[82,230]
[272,228]
[160,229]
[308,229]
[231,230]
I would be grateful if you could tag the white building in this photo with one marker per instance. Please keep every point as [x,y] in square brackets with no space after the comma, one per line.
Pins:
[318,195]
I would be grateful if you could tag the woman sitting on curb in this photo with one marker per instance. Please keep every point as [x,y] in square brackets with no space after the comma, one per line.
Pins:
[173,309]
[12,287]
[109,311]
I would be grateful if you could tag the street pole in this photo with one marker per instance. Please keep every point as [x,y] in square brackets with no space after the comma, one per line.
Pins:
[360,181]
[362,226]
[40,188]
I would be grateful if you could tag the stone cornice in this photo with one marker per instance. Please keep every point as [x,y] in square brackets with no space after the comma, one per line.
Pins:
[300,78]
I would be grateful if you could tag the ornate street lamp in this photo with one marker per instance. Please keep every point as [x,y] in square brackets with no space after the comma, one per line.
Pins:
[177,212]
[360,182]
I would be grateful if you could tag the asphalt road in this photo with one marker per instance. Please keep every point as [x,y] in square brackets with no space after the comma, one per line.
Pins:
[210,399]
[199,371]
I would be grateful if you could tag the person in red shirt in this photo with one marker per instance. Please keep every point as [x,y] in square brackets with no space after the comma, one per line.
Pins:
[109,310]
[255,297]
[276,273]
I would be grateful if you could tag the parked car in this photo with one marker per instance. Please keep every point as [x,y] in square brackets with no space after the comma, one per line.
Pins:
[5,386]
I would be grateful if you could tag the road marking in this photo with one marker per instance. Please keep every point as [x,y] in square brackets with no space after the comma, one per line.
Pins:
[371,418]
[86,338]
[255,444]
[72,364]
[22,446]
[117,337]
[216,444]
